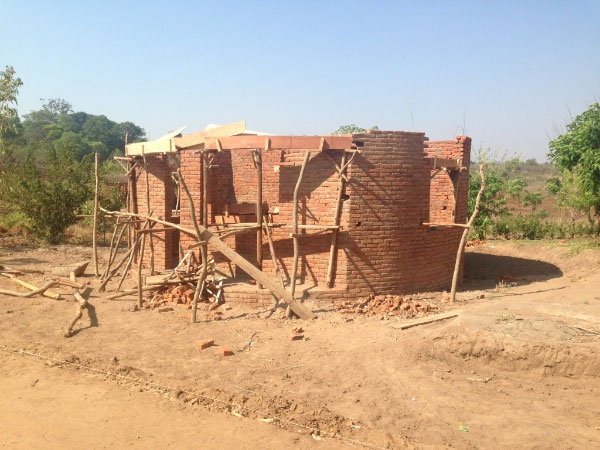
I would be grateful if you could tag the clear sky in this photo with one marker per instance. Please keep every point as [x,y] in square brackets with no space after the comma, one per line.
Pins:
[508,72]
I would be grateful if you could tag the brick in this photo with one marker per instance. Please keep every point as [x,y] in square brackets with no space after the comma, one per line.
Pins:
[205,344]
[165,309]
[225,351]
[297,337]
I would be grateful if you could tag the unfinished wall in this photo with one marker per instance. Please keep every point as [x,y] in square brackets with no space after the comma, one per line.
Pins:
[162,201]
[446,185]
[383,246]
[388,249]
[233,180]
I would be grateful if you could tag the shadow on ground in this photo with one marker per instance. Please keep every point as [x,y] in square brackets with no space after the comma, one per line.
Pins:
[490,269]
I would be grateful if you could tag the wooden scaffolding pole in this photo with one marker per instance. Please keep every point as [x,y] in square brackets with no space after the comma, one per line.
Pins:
[95,232]
[288,312]
[148,212]
[139,271]
[204,247]
[259,200]
[233,256]
[463,239]
[272,250]
[336,222]
[131,203]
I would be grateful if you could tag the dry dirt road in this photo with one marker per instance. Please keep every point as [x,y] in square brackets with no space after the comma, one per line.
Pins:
[518,368]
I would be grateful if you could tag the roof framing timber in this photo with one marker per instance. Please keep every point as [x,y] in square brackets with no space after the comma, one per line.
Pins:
[171,144]
[336,142]
[194,139]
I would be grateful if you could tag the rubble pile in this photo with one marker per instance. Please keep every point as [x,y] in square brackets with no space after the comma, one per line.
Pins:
[387,306]
[182,294]
[474,242]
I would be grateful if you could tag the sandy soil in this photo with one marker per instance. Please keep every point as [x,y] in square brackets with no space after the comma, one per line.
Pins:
[519,367]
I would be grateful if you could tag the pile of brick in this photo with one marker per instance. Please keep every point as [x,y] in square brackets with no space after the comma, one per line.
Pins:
[386,306]
[182,295]
[474,242]
[178,294]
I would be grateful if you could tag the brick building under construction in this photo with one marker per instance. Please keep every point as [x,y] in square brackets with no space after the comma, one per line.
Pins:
[373,212]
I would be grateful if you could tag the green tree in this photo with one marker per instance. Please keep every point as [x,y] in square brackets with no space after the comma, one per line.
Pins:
[503,182]
[50,198]
[9,89]
[571,198]
[533,199]
[352,128]
[578,152]
[58,106]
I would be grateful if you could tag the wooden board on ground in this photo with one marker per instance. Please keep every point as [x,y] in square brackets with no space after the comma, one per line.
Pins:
[425,320]
[65,271]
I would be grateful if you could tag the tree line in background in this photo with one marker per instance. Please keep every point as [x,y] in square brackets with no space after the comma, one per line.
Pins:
[46,162]
[572,181]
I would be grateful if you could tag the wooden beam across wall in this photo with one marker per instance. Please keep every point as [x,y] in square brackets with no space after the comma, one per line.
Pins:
[171,144]
[443,163]
[337,142]
[193,139]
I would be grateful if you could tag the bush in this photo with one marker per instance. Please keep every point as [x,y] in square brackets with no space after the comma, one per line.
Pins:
[110,198]
[533,227]
[50,199]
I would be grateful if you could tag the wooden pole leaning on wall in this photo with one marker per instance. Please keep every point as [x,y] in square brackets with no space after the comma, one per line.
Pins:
[336,223]
[204,246]
[148,212]
[288,312]
[95,232]
[139,272]
[129,200]
[202,279]
[257,155]
[463,239]
[111,249]
[233,256]
[274,260]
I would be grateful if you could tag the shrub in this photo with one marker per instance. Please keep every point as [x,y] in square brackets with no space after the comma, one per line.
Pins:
[49,199]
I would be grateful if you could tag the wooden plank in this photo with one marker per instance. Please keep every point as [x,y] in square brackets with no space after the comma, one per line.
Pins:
[171,144]
[193,139]
[431,224]
[427,319]
[47,293]
[148,148]
[337,142]
[443,163]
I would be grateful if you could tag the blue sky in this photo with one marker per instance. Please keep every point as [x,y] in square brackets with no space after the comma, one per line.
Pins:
[509,72]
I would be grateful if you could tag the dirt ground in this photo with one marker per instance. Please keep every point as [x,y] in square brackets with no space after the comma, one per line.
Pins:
[518,368]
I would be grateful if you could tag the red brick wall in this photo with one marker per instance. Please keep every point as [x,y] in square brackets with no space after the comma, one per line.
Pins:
[445,184]
[191,170]
[383,246]
[233,179]
[388,249]
[162,201]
